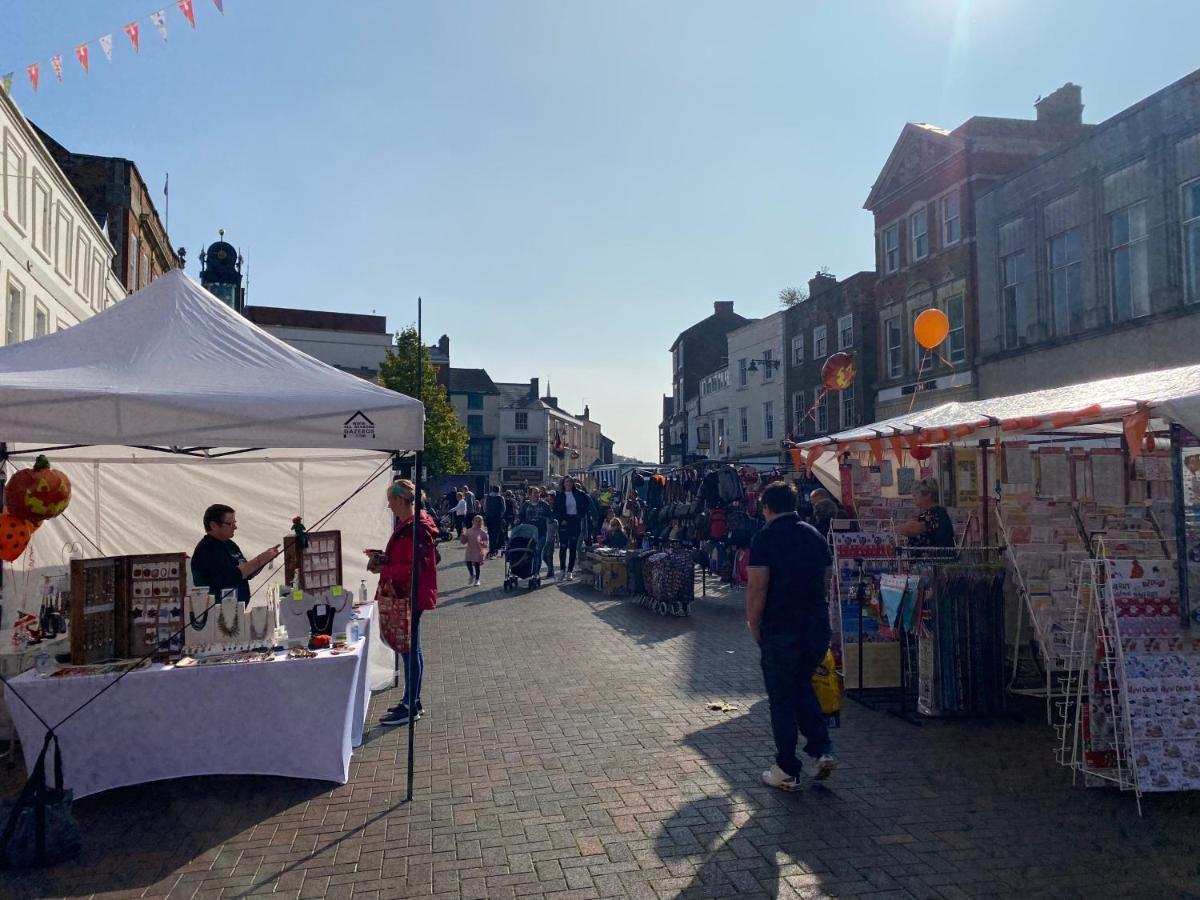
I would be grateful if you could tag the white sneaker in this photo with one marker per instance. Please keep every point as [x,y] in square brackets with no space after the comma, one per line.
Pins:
[777,778]
[825,766]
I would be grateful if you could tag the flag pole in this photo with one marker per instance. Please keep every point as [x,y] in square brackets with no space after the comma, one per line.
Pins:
[167,195]
[413,611]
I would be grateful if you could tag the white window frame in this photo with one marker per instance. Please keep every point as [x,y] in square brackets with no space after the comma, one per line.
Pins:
[40,311]
[944,213]
[742,372]
[1013,301]
[521,421]
[1191,267]
[1062,329]
[888,248]
[98,269]
[919,352]
[41,220]
[915,255]
[522,456]
[798,350]
[798,411]
[894,364]
[768,367]
[133,261]
[1133,247]
[14,312]
[820,340]
[14,188]
[83,254]
[744,422]
[849,415]
[846,324]
[64,228]
[959,355]
[821,410]
[768,420]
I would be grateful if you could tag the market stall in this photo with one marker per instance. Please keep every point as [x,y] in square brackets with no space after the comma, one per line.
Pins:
[156,408]
[1090,494]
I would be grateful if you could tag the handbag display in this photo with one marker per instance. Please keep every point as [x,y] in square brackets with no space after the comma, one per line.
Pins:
[40,828]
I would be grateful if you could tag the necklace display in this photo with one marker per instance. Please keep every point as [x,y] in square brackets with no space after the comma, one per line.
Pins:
[322,623]
[197,622]
[258,634]
[225,629]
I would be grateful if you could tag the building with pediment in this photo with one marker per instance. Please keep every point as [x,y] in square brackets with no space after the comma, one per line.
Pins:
[923,204]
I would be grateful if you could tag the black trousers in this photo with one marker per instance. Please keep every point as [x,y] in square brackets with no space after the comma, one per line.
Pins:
[568,542]
[495,528]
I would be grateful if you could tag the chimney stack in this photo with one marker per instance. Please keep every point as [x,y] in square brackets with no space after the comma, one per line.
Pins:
[723,307]
[533,389]
[586,412]
[1063,107]
[820,283]
[444,345]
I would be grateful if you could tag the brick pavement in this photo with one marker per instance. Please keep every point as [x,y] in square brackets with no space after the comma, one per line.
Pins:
[568,753]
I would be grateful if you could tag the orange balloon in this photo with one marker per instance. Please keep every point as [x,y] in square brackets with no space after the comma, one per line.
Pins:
[931,328]
[14,536]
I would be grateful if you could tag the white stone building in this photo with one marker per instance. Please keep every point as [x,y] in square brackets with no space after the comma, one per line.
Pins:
[757,417]
[55,259]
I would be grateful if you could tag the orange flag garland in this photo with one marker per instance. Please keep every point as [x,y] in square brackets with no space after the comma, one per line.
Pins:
[189,13]
[1135,426]
[81,54]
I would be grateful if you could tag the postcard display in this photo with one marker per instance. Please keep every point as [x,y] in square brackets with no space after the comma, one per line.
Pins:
[319,566]
[861,559]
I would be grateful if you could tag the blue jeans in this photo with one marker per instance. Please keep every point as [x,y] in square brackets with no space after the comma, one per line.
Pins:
[413,690]
[788,664]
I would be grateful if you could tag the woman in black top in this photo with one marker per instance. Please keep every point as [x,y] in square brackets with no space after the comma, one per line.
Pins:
[932,526]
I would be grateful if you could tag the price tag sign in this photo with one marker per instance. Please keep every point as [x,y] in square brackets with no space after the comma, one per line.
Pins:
[337,590]
[297,595]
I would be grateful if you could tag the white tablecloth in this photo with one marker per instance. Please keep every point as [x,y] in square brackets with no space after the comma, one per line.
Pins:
[298,718]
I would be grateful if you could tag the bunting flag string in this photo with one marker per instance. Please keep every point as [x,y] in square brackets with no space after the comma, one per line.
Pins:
[160,22]
[158,18]
[185,7]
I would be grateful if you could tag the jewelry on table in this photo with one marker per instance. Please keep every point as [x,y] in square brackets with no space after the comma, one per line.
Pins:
[224,628]
[197,623]
[321,622]
[258,634]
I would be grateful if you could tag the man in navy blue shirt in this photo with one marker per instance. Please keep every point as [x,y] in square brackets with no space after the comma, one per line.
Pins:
[789,620]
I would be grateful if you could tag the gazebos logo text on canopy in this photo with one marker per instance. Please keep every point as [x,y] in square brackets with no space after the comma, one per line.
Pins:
[359,426]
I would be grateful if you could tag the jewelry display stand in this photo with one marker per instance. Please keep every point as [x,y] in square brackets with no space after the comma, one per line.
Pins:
[97,605]
[155,586]
[319,566]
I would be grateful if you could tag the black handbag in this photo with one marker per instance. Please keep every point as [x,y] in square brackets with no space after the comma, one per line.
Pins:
[41,829]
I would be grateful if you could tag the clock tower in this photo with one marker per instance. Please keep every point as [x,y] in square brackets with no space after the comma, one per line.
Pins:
[221,274]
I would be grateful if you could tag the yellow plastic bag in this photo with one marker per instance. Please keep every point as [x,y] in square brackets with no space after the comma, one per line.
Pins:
[827,682]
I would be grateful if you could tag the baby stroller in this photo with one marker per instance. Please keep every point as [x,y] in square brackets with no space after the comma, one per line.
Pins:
[522,558]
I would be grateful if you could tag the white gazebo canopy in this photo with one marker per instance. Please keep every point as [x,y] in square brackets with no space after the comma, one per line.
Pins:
[172,366]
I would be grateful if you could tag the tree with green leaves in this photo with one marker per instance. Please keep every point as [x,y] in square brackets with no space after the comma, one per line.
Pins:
[446,439]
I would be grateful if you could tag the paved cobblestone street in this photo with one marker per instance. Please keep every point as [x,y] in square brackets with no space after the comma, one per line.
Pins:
[567,751]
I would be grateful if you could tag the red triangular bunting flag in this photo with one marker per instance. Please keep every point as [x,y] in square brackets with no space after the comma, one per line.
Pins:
[81,54]
[1135,426]
[189,12]
[56,61]
[132,30]
[32,72]
[876,452]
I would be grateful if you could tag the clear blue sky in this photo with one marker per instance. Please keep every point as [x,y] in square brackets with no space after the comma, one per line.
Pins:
[567,184]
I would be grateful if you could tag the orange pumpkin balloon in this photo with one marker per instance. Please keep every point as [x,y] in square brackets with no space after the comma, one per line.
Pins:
[838,372]
[931,328]
[14,536]
[39,493]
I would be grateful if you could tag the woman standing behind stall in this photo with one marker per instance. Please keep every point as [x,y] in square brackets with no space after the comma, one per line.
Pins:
[395,568]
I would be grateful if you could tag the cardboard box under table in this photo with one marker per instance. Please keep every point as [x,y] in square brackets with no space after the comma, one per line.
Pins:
[298,718]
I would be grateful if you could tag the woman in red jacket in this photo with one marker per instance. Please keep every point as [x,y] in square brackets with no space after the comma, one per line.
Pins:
[395,567]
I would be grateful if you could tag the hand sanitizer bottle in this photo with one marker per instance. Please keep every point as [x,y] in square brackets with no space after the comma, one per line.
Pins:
[362,590]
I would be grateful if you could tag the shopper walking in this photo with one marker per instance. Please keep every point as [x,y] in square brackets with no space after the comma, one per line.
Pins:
[789,620]
[460,515]
[537,512]
[571,510]
[493,517]
[395,566]
[478,545]
[469,496]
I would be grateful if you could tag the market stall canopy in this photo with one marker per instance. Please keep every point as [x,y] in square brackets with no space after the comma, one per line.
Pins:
[1169,394]
[172,366]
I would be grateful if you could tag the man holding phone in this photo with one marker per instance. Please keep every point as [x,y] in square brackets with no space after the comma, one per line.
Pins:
[218,563]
